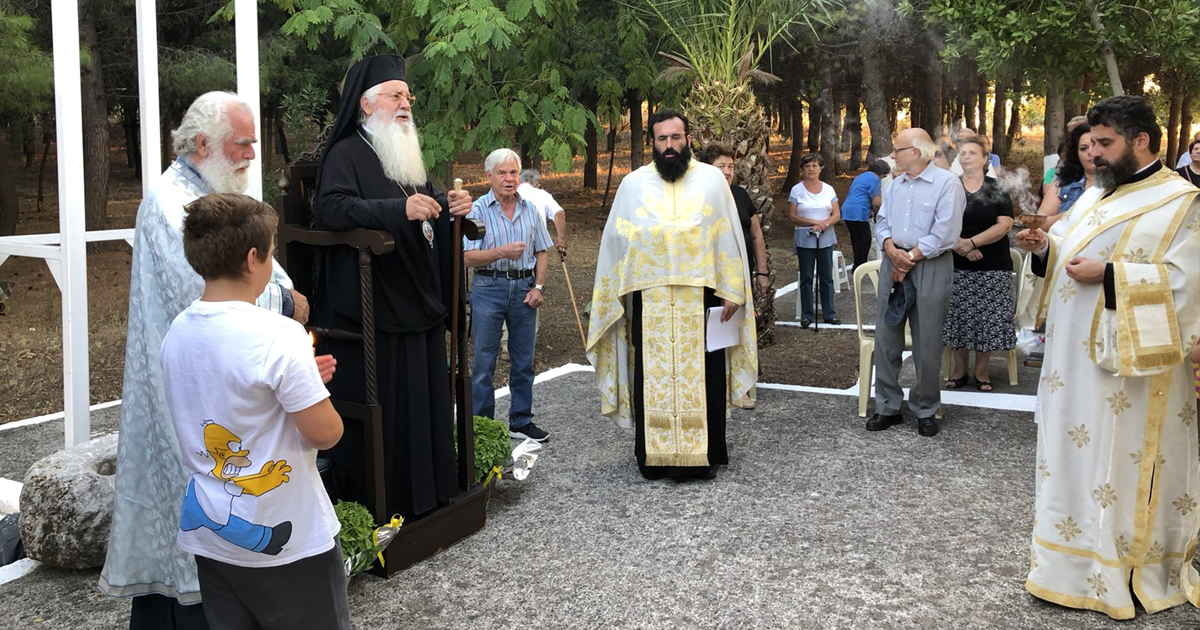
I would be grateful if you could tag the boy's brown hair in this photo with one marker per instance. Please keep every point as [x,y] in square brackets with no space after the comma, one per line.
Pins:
[220,229]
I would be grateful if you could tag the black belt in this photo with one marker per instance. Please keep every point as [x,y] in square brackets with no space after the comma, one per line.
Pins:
[512,274]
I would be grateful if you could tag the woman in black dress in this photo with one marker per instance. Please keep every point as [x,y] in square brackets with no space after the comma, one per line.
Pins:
[756,249]
[1191,172]
[981,301]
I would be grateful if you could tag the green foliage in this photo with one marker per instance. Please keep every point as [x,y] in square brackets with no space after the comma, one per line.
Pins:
[26,72]
[304,116]
[483,67]
[1044,37]
[713,35]
[493,446]
[357,527]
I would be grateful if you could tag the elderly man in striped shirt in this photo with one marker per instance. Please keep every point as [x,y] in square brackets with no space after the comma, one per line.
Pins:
[510,266]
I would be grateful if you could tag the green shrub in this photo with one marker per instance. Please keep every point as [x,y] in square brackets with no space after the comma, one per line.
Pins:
[493,446]
[357,527]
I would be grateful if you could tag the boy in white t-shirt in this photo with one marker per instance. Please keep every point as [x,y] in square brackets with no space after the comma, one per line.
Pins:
[250,410]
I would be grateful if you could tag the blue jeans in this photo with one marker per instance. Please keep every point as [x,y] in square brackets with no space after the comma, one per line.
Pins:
[495,302]
[824,260]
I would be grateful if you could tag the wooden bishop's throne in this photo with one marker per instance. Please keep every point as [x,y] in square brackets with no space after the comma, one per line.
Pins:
[464,515]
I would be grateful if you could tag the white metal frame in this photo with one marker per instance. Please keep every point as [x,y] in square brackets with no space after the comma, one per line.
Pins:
[65,253]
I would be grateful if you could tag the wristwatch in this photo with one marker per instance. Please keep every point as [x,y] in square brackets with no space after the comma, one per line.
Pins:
[540,287]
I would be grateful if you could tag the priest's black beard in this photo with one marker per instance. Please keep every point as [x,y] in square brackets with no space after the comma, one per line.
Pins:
[671,165]
[1111,175]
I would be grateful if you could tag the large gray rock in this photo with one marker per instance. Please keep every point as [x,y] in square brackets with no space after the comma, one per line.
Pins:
[67,505]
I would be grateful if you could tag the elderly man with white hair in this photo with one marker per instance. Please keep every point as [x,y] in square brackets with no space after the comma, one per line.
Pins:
[371,175]
[918,223]
[510,267]
[215,146]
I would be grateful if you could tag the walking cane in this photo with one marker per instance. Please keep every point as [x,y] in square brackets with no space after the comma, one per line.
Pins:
[456,286]
[816,284]
[579,322]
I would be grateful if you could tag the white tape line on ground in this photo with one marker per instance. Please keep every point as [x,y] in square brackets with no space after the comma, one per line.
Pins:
[53,416]
[18,569]
[786,289]
[552,373]
[870,327]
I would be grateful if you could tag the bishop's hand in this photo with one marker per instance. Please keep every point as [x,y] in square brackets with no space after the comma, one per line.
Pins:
[420,207]
[460,202]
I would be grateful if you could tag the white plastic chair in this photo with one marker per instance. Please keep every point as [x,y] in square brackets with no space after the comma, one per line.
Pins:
[1011,355]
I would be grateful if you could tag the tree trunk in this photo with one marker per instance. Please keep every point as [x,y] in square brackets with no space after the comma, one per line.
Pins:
[636,150]
[29,141]
[612,156]
[649,132]
[815,114]
[129,125]
[281,140]
[796,112]
[266,140]
[854,128]
[931,117]
[1056,113]
[1106,49]
[875,100]
[591,157]
[1185,122]
[10,204]
[1175,113]
[95,122]
[1014,121]
[970,108]
[999,128]
[637,154]
[829,125]
[981,120]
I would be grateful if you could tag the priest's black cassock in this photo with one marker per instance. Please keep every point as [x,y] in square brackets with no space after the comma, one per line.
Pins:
[412,293]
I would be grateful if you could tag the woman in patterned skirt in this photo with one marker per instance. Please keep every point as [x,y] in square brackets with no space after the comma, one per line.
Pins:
[981,301]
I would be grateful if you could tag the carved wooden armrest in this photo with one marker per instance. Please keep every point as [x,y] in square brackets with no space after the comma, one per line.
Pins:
[378,242]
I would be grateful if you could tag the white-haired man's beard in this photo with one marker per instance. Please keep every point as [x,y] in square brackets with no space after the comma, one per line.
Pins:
[223,175]
[398,148]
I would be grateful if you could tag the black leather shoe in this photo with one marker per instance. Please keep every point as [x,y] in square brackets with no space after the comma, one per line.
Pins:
[927,427]
[880,423]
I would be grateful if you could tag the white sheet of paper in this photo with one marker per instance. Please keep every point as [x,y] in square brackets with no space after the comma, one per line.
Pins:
[722,334]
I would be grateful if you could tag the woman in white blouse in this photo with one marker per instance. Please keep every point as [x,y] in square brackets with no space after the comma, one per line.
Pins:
[813,208]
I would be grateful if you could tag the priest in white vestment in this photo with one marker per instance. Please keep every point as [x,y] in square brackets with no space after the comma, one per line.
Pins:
[1118,475]
[672,249]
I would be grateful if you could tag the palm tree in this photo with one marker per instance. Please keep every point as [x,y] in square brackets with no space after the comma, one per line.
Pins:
[719,44]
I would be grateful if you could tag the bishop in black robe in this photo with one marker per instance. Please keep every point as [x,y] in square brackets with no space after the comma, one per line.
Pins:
[412,298]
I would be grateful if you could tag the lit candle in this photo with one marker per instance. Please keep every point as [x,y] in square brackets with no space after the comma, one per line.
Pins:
[313,336]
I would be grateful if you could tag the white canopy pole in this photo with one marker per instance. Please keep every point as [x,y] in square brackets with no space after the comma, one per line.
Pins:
[147,38]
[245,21]
[68,110]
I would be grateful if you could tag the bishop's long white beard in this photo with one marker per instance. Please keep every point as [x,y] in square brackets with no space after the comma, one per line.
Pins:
[398,148]
[222,175]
